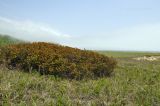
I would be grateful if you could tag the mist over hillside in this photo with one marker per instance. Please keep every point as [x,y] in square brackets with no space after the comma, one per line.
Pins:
[7,39]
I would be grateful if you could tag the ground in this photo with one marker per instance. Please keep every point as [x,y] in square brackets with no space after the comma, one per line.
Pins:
[133,83]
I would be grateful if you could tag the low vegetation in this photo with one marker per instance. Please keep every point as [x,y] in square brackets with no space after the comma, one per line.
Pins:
[5,40]
[57,60]
[134,83]
[125,54]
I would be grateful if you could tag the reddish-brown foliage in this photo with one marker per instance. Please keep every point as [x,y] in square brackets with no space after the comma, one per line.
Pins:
[62,61]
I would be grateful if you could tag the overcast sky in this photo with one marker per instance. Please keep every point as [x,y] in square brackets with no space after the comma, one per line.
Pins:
[90,24]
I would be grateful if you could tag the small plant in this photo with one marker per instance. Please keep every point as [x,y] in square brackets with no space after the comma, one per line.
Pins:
[148,55]
[61,61]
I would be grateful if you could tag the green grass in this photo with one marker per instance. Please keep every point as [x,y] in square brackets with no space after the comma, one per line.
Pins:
[134,83]
[123,54]
[5,40]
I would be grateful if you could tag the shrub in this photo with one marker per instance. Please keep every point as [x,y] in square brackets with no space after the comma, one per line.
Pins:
[1,58]
[61,61]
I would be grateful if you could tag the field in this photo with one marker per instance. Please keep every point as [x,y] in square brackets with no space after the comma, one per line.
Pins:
[134,83]
[124,54]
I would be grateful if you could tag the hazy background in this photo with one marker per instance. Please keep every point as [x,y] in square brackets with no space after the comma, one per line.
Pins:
[90,24]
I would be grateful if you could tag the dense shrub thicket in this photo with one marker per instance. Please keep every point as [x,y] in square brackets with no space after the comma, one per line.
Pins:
[62,61]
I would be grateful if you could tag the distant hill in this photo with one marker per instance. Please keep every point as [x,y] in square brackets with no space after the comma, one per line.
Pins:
[6,39]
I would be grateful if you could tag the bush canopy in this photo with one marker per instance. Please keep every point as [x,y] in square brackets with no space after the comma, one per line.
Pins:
[61,61]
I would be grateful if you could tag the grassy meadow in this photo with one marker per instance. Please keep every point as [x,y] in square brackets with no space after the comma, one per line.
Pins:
[124,54]
[133,83]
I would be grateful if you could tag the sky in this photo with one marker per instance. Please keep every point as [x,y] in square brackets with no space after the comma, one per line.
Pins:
[132,25]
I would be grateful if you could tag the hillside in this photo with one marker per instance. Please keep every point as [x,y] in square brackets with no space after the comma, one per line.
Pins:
[6,39]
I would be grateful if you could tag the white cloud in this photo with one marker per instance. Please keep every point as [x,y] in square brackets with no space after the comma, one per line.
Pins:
[31,31]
